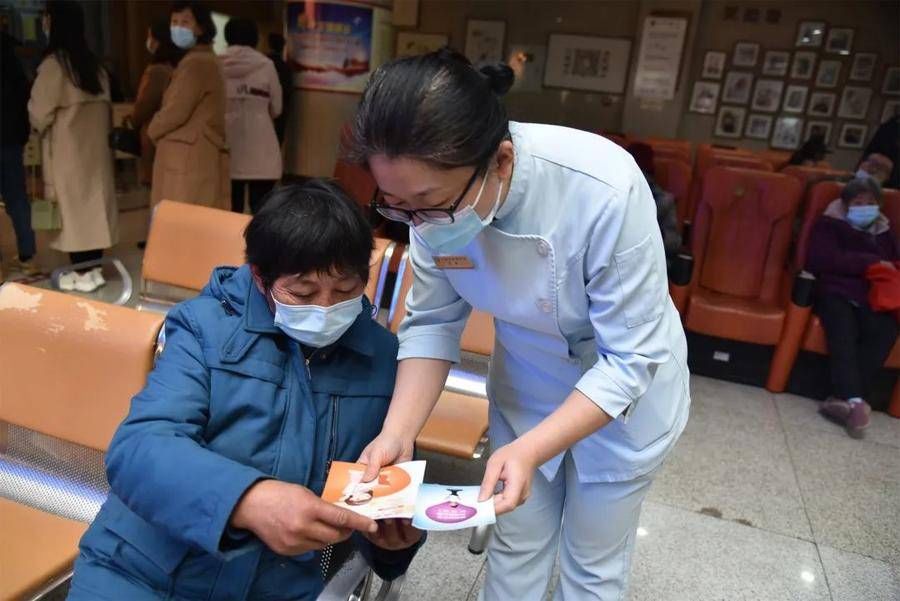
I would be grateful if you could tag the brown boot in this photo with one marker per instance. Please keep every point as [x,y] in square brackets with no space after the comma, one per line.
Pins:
[28,267]
[836,410]
[858,419]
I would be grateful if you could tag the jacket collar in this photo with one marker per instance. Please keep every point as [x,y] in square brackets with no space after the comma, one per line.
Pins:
[837,210]
[258,319]
[522,166]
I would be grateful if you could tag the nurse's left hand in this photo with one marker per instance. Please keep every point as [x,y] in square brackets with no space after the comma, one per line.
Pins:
[514,466]
[394,535]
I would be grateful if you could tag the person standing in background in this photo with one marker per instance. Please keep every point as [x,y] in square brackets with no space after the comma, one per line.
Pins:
[285,78]
[191,163]
[254,100]
[70,109]
[14,132]
[154,81]
[886,141]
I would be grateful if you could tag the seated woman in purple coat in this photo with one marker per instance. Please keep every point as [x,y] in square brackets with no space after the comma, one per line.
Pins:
[852,235]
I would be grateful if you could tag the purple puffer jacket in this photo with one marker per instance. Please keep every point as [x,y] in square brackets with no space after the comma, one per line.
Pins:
[838,254]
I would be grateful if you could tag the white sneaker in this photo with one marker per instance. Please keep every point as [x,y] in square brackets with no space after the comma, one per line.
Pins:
[67,281]
[84,282]
[97,275]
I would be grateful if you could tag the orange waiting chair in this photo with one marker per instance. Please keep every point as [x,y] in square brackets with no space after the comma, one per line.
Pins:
[803,329]
[186,242]
[810,175]
[734,303]
[670,148]
[70,368]
[713,157]
[777,158]
[674,176]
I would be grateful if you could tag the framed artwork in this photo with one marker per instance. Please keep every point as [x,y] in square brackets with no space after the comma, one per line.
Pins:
[852,135]
[788,131]
[730,122]
[828,75]
[891,83]
[818,128]
[767,95]
[737,87]
[775,63]
[713,65]
[411,43]
[704,97]
[803,65]
[840,40]
[891,108]
[745,54]
[759,127]
[590,63]
[810,34]
[821,104]
[484,41]
[855,102]
[863,66]
[795,99]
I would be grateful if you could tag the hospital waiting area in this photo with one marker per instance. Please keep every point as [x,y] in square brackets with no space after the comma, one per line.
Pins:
[450,300]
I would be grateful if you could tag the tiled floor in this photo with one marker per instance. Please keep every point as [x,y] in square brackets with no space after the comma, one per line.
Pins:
[762,500]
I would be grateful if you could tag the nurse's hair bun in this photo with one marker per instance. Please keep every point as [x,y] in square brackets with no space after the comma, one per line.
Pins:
[500,76]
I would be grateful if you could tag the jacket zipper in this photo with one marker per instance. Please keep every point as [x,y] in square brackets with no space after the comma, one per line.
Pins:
[332,444]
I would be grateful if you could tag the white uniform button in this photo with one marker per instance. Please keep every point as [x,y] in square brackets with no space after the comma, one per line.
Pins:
[545,305]
[543,248]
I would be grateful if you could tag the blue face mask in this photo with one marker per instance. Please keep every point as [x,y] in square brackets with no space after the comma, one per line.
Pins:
[317,326]
[863,216]
[183,37]
[452,237]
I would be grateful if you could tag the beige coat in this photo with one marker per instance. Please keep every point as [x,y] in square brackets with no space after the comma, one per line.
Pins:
[77,161]
[191,162]
[153,85]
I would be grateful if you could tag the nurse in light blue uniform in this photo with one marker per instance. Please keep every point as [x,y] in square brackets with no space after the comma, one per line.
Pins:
[553,232]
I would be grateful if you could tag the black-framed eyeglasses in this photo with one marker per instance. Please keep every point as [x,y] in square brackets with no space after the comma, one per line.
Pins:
[438,216]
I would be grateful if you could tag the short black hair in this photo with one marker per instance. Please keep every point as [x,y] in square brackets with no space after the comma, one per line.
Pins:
[861,185]
[309,227]
[436,108]
[166,51]
[202,15]
[241,32]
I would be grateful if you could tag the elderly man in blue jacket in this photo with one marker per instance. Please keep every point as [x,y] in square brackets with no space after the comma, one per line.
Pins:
[273,372]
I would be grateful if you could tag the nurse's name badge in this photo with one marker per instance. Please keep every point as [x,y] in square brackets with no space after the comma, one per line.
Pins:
[453,262]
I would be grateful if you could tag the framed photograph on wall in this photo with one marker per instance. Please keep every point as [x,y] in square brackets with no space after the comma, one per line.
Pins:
[840,40]
[767,95]
[891,83]
[853,135]
[737,87]
[863,66]
[788,131]
[810,34]
[829,74]
[818,128]
[704,97]
[821,104]
[730,122]
[411,43]
[795,99]
[891,108]
[759,127]
[855,102]
[804,65]
[581,62]
[745,54]
[713,65]
[776,62]
[484,41]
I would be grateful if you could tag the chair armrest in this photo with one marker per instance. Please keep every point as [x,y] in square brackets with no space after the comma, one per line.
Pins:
[804,286]
[682,269]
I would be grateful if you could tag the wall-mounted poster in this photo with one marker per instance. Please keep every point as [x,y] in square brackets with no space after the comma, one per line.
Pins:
[840,40]
[775,63]
[730,123]
[828,75]
[852,135]
[863,66]
[484,41]
[329,47]
[821,104]
[704,97]
[659,57]
[855,102]
[795,99]
[587,63]
[411,43]
[810,34]
[822,129]
[767,95]
[759,127]
[804,65]
[745,54]
[787,133]
[527,62]
[713,65]
[737,87]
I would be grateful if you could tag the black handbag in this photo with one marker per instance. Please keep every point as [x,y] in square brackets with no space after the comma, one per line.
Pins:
[125,139]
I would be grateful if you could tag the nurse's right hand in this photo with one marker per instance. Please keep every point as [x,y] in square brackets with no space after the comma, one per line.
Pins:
[386,449]
[291,520]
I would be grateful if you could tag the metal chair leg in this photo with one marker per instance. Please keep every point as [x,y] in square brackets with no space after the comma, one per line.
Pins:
[479,540]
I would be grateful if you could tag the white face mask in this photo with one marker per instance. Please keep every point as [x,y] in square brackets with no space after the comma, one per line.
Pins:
[467,224]
[314,325]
